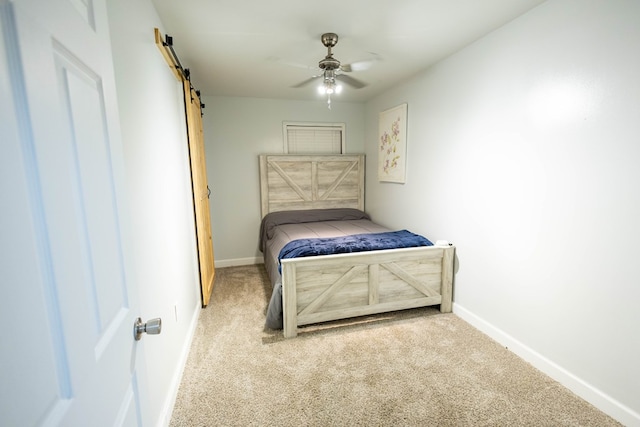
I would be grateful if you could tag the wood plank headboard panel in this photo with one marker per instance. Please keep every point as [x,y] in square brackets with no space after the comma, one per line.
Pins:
[296,182]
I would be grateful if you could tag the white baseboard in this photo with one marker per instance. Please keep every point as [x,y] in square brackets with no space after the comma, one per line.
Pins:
[597,398]
[238,261]
[167,410]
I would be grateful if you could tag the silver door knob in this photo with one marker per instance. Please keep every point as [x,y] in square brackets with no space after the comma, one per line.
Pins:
[153,327]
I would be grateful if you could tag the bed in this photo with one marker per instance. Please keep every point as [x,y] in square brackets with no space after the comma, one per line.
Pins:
[322,197]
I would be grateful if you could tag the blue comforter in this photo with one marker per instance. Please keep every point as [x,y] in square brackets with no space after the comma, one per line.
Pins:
[353,243]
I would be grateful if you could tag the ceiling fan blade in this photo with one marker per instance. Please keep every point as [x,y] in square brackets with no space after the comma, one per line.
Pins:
[312,68]
[292,64]
[350,81]
[360,65]
[305,82]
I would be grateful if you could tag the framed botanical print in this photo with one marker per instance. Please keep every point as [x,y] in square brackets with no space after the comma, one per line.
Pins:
[392,144]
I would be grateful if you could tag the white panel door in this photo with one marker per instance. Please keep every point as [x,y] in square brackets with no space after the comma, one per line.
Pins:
[68,309]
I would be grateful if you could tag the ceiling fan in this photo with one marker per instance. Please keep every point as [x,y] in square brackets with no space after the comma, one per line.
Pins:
[332,70]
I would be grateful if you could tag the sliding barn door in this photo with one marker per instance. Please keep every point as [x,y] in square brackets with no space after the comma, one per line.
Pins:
[193,112]
[200,190]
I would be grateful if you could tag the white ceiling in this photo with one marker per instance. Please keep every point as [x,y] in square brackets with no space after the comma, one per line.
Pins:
[260,48]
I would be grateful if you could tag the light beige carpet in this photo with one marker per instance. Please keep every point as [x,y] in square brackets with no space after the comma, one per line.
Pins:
[411,368]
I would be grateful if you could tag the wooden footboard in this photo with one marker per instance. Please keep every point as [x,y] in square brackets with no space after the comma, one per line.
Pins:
[331,287]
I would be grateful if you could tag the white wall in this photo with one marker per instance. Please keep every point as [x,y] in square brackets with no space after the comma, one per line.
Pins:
[159,184]
[236,131]
[523,151]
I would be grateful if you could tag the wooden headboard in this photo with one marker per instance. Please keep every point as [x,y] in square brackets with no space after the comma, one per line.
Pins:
[295,182]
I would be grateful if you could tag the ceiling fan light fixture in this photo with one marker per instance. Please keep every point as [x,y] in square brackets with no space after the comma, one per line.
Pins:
[329,87]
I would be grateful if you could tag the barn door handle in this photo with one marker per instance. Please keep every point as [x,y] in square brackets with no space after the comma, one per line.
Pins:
[152,327]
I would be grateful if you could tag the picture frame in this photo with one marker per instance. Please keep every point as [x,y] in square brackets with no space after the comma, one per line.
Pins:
[392,144]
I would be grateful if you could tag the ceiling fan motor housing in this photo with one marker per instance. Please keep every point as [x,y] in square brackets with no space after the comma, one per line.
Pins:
[329,40]
[329,63]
